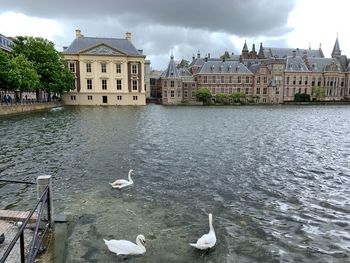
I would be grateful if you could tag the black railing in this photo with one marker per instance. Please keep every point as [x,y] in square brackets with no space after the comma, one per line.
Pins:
[37,238]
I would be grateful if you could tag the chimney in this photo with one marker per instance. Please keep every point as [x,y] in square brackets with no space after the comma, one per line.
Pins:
[208,55]
[294,53]
[78,33]
[128,36]
[64,48]
[193,57]
[198,54]
[140,51]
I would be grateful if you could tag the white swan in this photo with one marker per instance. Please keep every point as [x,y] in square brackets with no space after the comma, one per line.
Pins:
[207,240]
[120,183]
[124,247]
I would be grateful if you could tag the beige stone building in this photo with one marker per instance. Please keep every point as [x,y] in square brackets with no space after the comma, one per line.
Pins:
[108,71]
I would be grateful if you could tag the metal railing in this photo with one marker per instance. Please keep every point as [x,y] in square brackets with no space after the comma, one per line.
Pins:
[38,237]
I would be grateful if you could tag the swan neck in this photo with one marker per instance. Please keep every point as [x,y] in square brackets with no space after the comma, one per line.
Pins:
[139,243]
[129,176]
[211,224]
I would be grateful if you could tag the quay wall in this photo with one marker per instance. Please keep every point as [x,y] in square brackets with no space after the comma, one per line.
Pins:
[22,108]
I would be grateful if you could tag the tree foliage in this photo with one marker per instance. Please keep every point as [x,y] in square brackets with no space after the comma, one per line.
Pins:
[301,97]
[237,96]
[225,56]
[4,69]
[221,97]
[319,93]
[203,95]
[183,64]
[48,63]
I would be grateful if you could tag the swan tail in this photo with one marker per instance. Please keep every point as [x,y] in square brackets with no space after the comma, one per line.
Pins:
[193,244]
[105,241]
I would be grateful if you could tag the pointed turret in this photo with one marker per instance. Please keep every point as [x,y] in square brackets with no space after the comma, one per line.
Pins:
[336,49]
[261,52]
[245,51]
[171,71]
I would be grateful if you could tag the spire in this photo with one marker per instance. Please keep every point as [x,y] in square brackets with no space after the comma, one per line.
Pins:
[336,49]
[172,55]
[245,47]
[261,52]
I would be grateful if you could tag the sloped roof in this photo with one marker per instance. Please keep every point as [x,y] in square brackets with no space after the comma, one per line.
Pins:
[83,43]
[197,62]
[321,64]
[336,48]
[285,52]
[295,64]
[223,67]
[171,71]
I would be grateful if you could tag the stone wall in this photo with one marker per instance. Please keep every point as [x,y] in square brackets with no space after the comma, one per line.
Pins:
[20,108]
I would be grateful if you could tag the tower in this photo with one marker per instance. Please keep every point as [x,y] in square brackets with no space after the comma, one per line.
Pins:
[245,51]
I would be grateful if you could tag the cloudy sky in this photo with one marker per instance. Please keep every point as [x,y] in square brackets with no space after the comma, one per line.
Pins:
[184,26]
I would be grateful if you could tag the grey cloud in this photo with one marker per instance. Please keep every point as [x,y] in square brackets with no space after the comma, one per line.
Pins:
[242,18]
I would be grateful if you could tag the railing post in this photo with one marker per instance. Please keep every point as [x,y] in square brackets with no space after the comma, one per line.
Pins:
[42,182]
[21,242]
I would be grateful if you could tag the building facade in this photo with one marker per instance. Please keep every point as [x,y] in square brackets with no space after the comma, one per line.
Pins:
[5,43]
[108,71]
[271,75]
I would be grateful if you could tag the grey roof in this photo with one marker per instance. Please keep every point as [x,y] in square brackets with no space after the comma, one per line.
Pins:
[216,66]
[296,64]
[285,52]
[245,47]
[254,68]
[183,72]
[171,71]
[197,62]
[336,48]
[322,64]
[83,43]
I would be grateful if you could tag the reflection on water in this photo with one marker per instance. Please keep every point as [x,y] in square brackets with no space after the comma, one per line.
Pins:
[275,178]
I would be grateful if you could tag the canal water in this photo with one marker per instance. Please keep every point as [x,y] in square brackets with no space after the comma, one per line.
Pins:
[276,179]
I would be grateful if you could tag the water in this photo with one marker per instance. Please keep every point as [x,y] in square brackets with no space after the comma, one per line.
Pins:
[275,178]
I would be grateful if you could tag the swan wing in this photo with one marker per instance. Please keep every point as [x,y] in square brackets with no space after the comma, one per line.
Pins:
[206,241]
[123,247]
[120,182]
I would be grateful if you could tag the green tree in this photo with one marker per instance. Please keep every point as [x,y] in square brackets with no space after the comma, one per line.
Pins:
[22,74]
[225,56]
[183,64]
[221,97]
[203,95]
[237,97]
[319,93]
[301,97]
[4,69]
[48,63]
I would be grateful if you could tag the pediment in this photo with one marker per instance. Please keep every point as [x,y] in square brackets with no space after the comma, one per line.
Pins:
[102,49]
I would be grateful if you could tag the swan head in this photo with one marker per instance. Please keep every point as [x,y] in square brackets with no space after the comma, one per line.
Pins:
[210,217]
[130,171]
[142,239]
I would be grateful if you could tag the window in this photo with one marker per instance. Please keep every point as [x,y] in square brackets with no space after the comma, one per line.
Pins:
[134,84]
[72,97]
[193,85]
[287,92]
[258,80]
[265,80]
[193,94]
[172,93]
[165,84]
[185,93]
[179,93]
[172,84]
[205,79]
[257,90]
[300,80]
[222,90]
[104,99]
[119,97]
[277,91]
[306,80]
[72,67]
[89,97]
[264,91]
[213,79]
[104,84]
[230,80]
[88,67]
[305,90]
[89,83]
[238,89]
[103,67]
[246,90]
[118,68]
[246,79]
[179,84]
[294,80]
[230,90]
[239,79]
[165,94]
[288,80]
[119,84]
[222,79]
[134,68]
[134,97]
